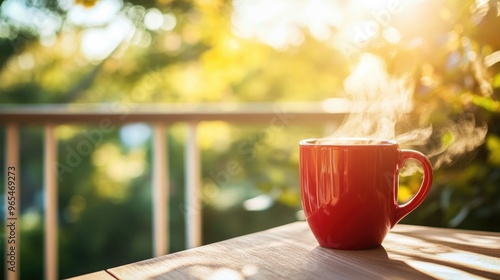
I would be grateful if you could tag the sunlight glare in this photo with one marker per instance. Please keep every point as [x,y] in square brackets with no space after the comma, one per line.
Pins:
[279,23]
[66,4]
[371,4]
[225,274]
[135,135]
[48,39]
[26,61]
[153,19]
[249,270]
[19,13]
[392,35]
[169,22]
[101,13]
[98,43]
[258,203]
[440,271]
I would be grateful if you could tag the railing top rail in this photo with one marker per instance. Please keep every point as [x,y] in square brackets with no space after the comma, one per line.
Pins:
[169,113]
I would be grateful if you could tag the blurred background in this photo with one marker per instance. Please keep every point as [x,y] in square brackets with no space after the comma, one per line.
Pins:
[442,56]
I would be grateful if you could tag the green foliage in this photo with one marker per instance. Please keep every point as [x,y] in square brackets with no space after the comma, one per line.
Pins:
[448,47]
[493,145]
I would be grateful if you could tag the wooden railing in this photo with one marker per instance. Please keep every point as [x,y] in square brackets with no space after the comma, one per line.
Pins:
[158,116]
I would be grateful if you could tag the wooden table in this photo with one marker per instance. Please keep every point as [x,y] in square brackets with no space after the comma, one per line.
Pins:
[291,252]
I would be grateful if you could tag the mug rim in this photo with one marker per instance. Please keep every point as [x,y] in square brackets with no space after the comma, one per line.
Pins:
[346,141]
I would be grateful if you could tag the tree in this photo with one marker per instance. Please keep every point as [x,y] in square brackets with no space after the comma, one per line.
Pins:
[208,51]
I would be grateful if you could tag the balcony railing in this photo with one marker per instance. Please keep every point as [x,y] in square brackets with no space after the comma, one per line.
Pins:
[158,116]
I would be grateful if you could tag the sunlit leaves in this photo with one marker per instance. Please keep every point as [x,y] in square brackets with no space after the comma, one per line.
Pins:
[77,205]
[290,196]
[409,183]
[447,138]
[55,72]
[214,136]
[496,81]
[486,103]
[493,144]
[404,194]
[479,9]
[115,169]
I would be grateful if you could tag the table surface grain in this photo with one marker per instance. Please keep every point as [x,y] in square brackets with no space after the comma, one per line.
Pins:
[291,252]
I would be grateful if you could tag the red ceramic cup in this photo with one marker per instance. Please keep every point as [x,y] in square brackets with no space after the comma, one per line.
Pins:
[349,189]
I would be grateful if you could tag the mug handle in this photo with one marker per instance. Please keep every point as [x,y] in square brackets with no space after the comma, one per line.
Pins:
[425,187]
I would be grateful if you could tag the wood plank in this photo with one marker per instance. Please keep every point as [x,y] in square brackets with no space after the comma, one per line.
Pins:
[447,253]
[291,252]
[98,275]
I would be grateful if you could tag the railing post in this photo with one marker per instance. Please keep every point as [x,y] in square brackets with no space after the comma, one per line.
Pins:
[12,214]
[160,190]
[193,205]
[50,199]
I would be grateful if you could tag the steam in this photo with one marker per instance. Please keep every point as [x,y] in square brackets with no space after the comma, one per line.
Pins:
[381,102]
[456,139]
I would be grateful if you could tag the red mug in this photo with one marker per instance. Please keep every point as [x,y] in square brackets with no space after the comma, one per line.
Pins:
[349,189]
